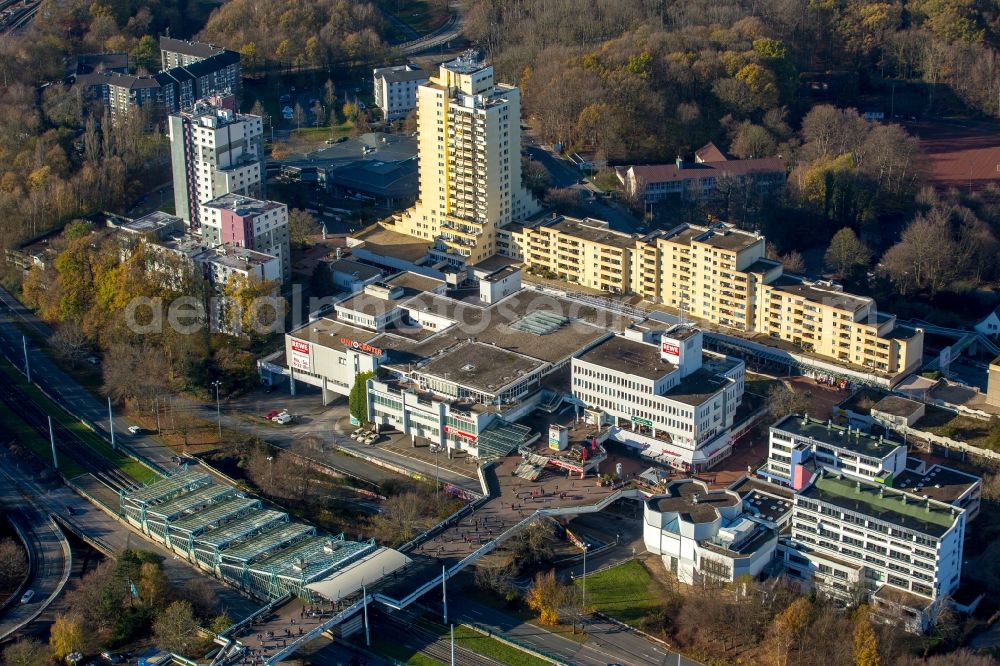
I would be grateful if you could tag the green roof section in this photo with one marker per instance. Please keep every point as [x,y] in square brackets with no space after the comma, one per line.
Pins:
[877,501]
[830,434]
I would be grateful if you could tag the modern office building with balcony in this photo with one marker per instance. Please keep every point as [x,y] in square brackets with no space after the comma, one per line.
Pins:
[469,157]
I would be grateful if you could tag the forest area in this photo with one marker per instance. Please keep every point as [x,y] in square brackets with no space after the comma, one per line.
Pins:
[646,81]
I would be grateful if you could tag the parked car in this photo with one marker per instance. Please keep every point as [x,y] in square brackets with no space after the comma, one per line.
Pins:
[283,418]
[134,430]
[27,597]
[371,439]
[271,414]
[111,657]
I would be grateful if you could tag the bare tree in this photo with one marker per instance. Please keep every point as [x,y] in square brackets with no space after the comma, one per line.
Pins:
[70,343]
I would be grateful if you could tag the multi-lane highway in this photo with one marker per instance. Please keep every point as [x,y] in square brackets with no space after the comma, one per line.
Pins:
[51,560]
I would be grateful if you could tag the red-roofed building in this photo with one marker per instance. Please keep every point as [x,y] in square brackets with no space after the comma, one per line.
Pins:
[656,182]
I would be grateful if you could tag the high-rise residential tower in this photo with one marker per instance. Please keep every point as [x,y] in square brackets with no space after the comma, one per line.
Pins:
[469,151]
[214,151]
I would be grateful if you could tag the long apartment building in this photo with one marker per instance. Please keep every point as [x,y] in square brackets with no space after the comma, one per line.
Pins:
[469,158]
[719,275]
[214,151]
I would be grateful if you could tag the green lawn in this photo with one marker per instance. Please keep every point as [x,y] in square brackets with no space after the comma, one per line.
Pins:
[41,447]
[132,468]
[488,647]
[626,592]
[325,132]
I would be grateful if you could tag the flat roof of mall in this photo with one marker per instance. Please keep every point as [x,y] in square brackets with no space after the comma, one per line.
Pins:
[629,356]
[328,332]
[386,242]
[886,504]
[697,387]
[896,406]
[940,483]
[481,367]
[837,436]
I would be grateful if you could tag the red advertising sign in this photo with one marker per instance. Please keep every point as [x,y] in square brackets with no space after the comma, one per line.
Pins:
[301,358]
[361,346]
[671,349]
[455,431]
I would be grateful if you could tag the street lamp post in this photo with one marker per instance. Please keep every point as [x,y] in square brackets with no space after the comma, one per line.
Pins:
[218,407]
[270,474]
[583,603]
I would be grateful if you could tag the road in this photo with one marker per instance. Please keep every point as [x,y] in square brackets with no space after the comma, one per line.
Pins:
[50,552]
[61,386]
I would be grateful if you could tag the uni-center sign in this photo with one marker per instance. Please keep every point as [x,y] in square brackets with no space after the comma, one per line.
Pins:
[361,346]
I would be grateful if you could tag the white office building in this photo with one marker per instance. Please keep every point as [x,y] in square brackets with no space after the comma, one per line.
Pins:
[396,89]
[901,548]
[663,394]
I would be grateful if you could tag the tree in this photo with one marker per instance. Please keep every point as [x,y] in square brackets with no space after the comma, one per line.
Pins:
[782,401]
[924,257]
[793,262]
[13,564]
[176,629]
[358,398]
[546,596]
[67,635]
[847,253]
[220,623]
[252,306]
[865,641]
[153,585]
[301,225]
[70,343]
[535,177]
[329,94]
[752,141]
[298,115]
[27,652]
[146,54]
[788,629]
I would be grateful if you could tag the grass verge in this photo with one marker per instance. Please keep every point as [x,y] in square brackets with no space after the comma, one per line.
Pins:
[132,468]
[324,132]
[488,647]
[386,648]
[41,447]
[627,592]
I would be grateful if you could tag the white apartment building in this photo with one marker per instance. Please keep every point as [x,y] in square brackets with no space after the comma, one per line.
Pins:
[903,549]
[663,394]
[701,533]
[213,151]
[395,89]
[469,156]
[250,223]
[800,446]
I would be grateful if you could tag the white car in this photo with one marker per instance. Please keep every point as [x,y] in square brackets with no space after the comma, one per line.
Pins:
[283,418]
[134,430]
[27,597]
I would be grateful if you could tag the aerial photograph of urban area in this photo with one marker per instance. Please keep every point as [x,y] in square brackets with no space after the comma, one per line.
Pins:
[500,332]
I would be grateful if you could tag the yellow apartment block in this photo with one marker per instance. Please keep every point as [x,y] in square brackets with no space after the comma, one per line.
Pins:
[584,252]
[718,275]
[469,162]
